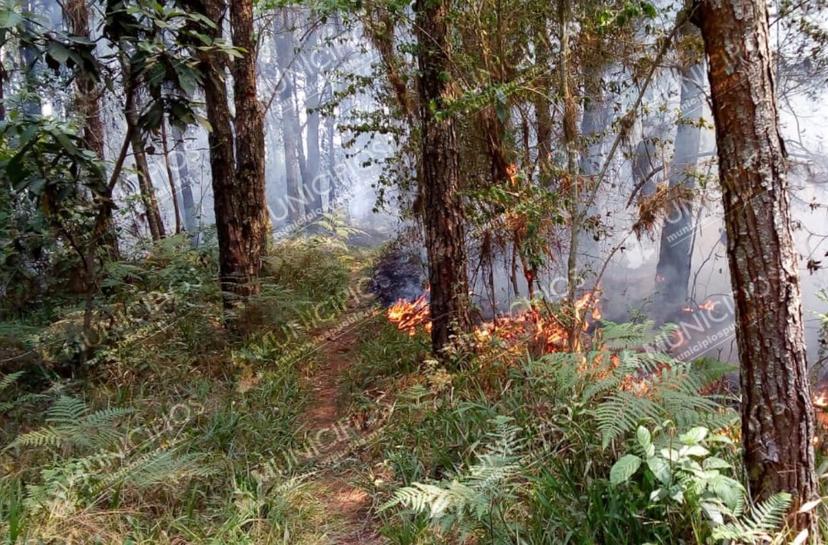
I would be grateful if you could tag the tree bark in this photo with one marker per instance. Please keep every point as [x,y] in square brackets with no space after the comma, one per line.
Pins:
[543,116]
[312,182]
[251,208]
[675,256]
[170,179]
[145,185]
[237,165]
[570,133]
[31,105]
[777,413]
[330,150]
[443,215]
[88,107]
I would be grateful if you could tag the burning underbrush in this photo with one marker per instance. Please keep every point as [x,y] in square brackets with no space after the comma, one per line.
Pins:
[542,330]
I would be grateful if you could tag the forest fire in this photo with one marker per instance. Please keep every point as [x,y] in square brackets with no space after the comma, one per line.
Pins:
[409,315]
[708,305]
[544,332]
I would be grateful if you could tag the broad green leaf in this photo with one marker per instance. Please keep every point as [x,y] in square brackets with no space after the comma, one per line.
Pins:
[10,19]
[644,438]
[661,469]
[715,463]
[624,468]
[693,450]
[693,436]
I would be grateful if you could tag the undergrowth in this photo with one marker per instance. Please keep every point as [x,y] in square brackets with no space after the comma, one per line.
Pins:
[617,444]
[162,426]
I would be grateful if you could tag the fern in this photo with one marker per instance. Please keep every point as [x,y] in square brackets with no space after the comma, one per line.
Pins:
[6,381]
[71,424]
[160,466]
[758,525]
[473,493]
[9,379]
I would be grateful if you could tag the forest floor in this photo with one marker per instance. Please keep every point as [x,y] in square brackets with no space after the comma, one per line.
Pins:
[306,422]
[328,422]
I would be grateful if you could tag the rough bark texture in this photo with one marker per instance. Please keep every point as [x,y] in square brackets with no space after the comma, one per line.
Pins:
[237,166]
[443,215]
[675,256]
[248,238]
[777,415]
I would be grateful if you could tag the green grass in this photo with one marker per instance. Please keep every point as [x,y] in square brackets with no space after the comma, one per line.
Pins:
[228,404]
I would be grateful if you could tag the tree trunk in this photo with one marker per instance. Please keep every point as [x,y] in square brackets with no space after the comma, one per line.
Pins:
[443,215]
[675,256]
[249,237]
[238,193]
[543,116]
[330,150]
[145,185]
[777,414]
[170,179]
[182,168]
[570,132]
[313,187]
[291,131]
[29,56]
[88,107]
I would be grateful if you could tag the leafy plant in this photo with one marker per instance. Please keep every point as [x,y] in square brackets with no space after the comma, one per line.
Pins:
[477,500]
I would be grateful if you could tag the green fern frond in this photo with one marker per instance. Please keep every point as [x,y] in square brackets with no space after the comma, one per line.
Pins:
[759,524]
[8,380]
[627,335]
[66,411]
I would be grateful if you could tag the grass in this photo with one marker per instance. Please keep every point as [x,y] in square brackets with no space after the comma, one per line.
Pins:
[231,402]
[198,459]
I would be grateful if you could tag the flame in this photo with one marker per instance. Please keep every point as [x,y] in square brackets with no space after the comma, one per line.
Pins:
[821,400]
[547,333]
[409,315]
[708,305]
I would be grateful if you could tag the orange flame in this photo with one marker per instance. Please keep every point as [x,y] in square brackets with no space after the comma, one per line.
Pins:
[545,332]
[708,305]
[409,315]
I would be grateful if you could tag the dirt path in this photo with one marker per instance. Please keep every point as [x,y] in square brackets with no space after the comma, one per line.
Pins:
[345,502]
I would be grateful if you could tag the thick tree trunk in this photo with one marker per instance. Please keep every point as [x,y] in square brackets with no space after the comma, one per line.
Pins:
[238,191]
[675,256]
[295,201]
[777,414]
[88,108]
[249,191]
[443,215]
